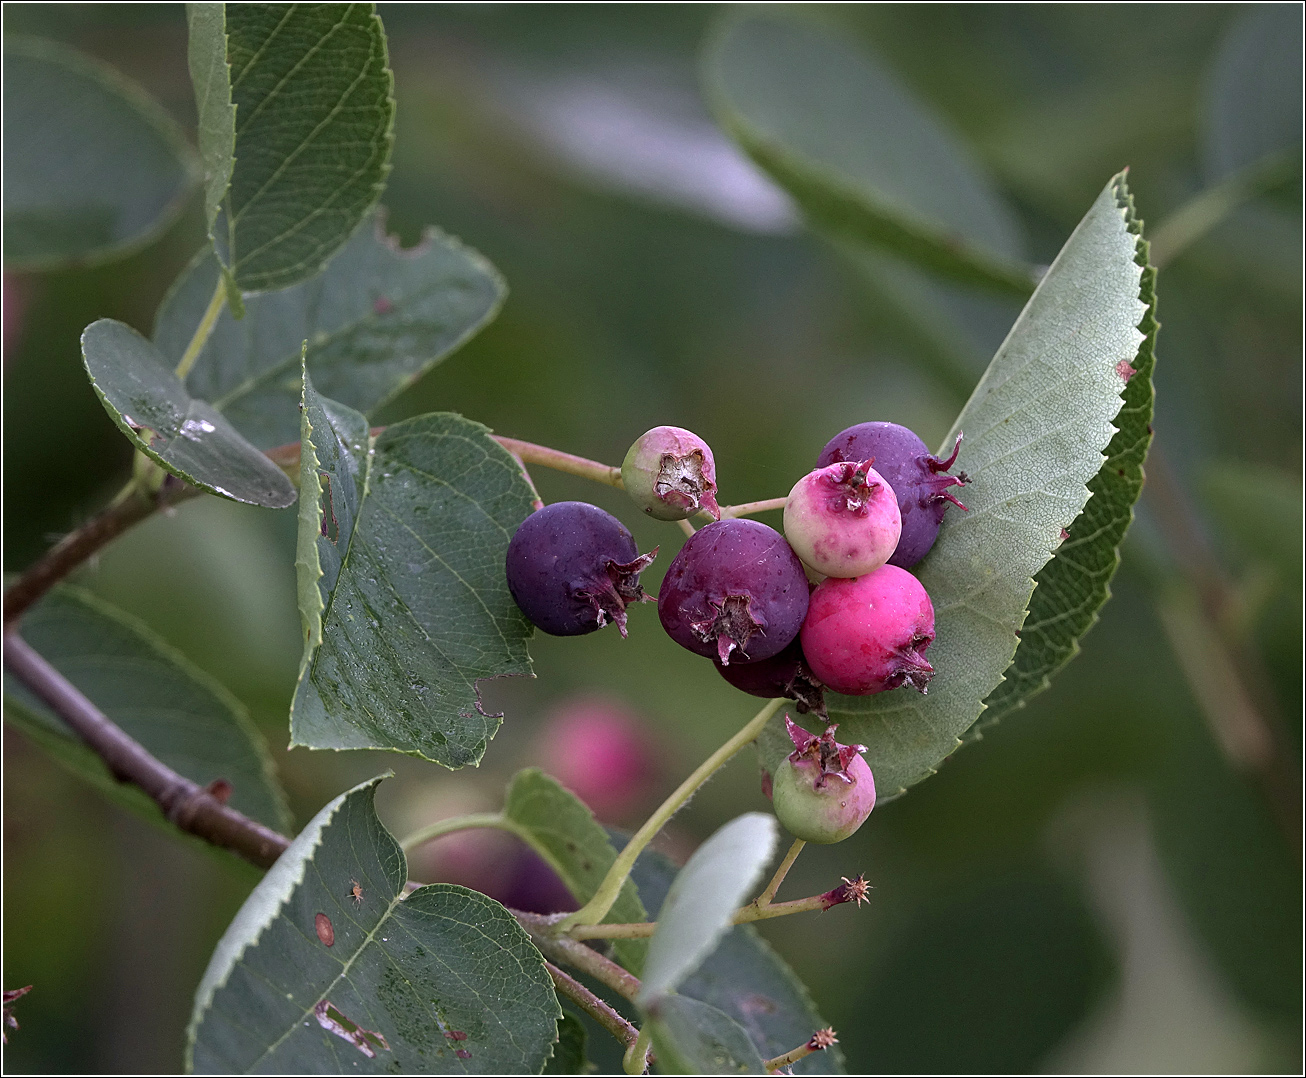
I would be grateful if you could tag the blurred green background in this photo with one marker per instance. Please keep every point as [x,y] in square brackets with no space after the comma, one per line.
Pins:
[1104,882]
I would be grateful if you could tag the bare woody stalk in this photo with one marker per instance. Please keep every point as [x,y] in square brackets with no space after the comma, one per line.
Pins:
[596,1008]
[186,804]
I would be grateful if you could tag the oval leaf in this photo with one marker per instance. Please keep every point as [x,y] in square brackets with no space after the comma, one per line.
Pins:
[690,1037]
[94,169]
[862,157]
[702,900]
[402,541]
[188,437]
[1036,427]
[564,832]
[375,321]
[314,116]
[746,980]
[329,969]
[1071,588]
[179,713]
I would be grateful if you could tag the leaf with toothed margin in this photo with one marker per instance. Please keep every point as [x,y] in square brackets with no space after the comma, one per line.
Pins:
[402,541]
[1074,585]
[692,1037]
[1036,428]
[331,968]
[305,155]
[188,437]
[375,320]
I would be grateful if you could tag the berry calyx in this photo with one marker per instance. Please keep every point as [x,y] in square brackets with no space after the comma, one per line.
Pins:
[823,791]
[670,474]
[735,593]
[843,520]
[785,676]
[573,568]
[869,634]
[918,478]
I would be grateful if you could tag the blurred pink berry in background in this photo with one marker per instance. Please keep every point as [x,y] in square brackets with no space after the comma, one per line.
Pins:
[602,752]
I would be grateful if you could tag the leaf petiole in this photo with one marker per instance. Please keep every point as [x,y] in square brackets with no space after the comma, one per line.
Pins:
[203,331]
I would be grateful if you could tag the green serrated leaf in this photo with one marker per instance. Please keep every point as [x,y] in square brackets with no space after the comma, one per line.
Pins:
[865,160]
[331,968]
[179,713]
[704,896]
[563,830]
[210,74]
[1071,588]
[314,118]
[375,321]
[94,168]
[569,1053]
[188,437]
[692,1037]
[410,535]
[1036,427]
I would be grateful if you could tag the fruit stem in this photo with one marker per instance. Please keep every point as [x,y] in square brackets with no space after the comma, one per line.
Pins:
[462,823]
[742,916]
[530,453]
[635,1060]
[764,899]
[203,330]
[817,1042]
[577,955]
[597,907]
[745,509]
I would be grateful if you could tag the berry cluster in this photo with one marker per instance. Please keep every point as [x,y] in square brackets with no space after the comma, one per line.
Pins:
[738,592]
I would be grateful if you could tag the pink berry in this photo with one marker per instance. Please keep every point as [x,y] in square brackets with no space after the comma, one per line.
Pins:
[869,634]
[822,791]
[843,520]
[602,753]
[670,474]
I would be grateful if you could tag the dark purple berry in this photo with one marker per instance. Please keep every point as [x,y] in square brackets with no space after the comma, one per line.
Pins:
[785,676]
[736,591]
[917,477]
[573,568]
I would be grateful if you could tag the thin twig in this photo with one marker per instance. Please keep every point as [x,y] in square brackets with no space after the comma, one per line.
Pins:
[573,953]
[600,1010]
[186,804]
[817,1042]
[745,509]
[531,453]
[766,897]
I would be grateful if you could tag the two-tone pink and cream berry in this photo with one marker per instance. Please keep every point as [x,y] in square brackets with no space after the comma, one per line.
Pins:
[822,791]
[869,634]
[843,520]
[670,474]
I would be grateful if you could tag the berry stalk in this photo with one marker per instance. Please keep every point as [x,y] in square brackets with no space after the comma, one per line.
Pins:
[530,453]
[597,907]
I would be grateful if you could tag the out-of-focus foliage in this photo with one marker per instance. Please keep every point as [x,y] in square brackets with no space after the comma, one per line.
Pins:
[682,289]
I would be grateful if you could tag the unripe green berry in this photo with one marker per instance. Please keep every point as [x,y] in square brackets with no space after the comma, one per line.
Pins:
[822,791]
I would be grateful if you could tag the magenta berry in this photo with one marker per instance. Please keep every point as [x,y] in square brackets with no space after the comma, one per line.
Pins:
[843,520]
[735,593]
[784,676]
[869,634]
[822,791]
[670,474]
[917,477]
[572,568]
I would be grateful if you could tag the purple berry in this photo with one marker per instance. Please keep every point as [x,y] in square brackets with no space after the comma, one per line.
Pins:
[843,520]
[785,676]
[735,591]
[917,478]
[670,474]
[869,634]
[572,568]
[822,791]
